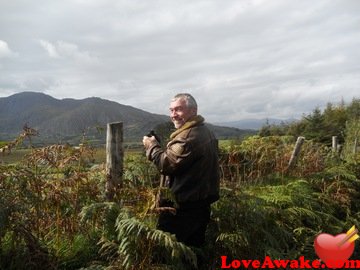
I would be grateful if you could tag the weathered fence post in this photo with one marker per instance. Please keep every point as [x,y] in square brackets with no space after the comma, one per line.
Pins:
[355,149]
[334,144]
[300,140]
[114,158]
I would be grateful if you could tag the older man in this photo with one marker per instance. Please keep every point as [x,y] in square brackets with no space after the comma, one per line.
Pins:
[190,162]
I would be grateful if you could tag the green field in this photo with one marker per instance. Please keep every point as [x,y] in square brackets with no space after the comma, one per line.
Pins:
[99,154]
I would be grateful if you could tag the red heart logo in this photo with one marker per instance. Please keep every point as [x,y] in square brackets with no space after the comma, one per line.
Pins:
[329,250]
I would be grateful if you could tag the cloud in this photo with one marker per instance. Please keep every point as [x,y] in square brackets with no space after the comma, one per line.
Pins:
[50,48]
[5,50]
[240,58]
[62,49]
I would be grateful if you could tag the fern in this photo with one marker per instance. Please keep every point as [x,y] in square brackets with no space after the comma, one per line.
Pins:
[136,237]
[279,220]
[339,172]
[129,243]
[102,215]
[233,240]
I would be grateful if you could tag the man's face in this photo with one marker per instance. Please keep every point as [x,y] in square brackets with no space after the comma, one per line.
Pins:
[180,113]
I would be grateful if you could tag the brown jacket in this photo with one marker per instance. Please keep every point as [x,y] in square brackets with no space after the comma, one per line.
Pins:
[191,162]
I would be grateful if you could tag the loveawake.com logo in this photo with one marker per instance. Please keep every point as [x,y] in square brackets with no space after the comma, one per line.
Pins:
[333,251]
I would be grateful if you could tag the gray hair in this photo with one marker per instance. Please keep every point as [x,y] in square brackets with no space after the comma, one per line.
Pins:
[189,99]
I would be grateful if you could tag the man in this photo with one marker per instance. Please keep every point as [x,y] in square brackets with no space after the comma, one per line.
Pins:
[190,162]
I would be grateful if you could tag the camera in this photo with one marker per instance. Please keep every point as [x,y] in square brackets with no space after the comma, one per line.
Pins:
[152,133]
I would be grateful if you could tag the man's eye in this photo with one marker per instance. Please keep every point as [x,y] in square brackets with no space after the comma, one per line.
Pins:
[178,109]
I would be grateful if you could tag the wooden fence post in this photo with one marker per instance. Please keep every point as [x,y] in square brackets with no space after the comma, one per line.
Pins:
[300,140]
[114,158]
[334,144]
[355,149]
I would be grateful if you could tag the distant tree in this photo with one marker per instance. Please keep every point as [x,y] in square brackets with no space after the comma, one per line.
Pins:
[319,125]
[353,110]
[335,118]
[265,130]
[314,126]
[296,128]
[273,129]
[351,151]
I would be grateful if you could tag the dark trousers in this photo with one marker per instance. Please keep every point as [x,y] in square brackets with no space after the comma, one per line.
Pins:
[188,224]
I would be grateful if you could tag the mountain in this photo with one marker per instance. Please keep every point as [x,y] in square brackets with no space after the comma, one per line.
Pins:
[254,124]
[67,119]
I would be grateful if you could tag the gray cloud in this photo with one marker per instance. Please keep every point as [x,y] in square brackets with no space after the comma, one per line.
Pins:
[240,59]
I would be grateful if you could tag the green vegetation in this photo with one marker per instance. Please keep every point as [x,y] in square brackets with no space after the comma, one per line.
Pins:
[53,212]
[319,126]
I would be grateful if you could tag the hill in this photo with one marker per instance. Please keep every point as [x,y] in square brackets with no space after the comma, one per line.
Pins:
[255,124]
[67,119]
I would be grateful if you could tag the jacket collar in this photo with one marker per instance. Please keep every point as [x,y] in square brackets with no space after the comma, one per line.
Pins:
[194,121]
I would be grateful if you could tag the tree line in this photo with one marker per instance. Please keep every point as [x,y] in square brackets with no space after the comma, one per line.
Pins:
[319,125]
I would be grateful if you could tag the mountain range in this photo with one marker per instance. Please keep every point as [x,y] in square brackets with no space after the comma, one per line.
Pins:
[67,119]
[255,124]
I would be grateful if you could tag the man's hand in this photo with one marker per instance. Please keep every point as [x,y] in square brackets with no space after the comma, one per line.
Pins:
[148,141]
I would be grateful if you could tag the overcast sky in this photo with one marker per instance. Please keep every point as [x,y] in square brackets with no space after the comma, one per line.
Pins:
[239,58]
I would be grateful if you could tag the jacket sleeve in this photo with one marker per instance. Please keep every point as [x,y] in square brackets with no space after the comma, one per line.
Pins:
[177,155]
